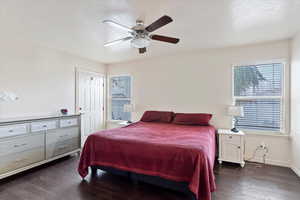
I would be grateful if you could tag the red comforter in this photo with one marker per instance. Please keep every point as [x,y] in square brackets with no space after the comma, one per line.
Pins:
[173,152]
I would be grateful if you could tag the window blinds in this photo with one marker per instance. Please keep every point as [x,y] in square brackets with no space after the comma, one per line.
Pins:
[258,89]
[260,114]
[258,80]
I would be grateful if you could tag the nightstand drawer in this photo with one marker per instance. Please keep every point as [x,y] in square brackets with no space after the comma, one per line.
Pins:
[232,139]
[231,152]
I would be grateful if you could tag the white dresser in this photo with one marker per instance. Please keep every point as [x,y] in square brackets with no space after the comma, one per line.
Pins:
[29,142]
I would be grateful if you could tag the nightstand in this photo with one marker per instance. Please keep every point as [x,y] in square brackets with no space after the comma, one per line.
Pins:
[116,124]
[231,146]
[124,123]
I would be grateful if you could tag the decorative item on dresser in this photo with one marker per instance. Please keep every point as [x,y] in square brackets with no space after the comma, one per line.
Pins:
[64,111]
[231,146]
[30,142]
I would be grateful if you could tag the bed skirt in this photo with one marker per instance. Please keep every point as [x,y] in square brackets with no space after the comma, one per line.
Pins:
[154,180]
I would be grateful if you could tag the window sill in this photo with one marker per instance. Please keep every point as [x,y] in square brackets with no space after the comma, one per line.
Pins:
[265,133]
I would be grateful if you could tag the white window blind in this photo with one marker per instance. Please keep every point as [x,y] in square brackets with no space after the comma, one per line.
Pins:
[120,95]
[259,90]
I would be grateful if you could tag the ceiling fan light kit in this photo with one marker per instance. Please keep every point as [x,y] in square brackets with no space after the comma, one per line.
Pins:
[140,42]
[140,35]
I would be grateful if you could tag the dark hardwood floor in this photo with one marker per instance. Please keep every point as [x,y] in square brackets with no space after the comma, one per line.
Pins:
[60,180]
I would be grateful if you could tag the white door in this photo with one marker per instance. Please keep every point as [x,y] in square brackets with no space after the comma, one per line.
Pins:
[90,102]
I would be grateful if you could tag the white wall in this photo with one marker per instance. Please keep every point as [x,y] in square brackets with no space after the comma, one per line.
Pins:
[43,78]
[200,81]
[295,103]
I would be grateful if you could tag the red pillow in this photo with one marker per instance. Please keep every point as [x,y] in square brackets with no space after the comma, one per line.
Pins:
[192,119]
[158,116]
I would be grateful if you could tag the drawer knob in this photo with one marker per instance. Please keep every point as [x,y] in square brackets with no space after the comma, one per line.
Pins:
[11,131]
[20,160]
[45,126]
[230,137]
[239,147]
[62,148]
[19,145]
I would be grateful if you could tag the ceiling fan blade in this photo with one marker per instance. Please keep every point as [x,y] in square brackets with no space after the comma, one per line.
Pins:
[164,20]
[142,50]
[164,39]
[117,25]
[117,41]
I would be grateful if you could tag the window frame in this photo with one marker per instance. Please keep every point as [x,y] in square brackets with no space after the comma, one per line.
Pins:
[283,108]
[110,98]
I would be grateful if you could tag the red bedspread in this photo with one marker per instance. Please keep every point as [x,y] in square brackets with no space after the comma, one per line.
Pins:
[173,152]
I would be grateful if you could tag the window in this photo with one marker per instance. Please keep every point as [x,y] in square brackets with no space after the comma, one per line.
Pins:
[120,95]
[259,90]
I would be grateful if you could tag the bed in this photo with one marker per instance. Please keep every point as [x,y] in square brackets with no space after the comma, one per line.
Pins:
[166,154]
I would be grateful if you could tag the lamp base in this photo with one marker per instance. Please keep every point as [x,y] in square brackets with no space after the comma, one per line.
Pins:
[235,130]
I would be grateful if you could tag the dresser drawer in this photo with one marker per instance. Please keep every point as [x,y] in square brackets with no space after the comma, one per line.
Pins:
[12,130]
[20,144]
[60,135]
[61,147]
[232,139]
[18,160]
[43,125]
[68,122]
[62,141]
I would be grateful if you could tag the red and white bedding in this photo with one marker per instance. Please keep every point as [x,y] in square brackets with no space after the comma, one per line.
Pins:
[170,151]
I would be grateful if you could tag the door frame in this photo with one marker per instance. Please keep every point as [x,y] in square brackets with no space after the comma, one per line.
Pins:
[77,73]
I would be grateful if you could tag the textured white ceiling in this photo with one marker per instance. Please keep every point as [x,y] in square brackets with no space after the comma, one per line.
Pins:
[75,25]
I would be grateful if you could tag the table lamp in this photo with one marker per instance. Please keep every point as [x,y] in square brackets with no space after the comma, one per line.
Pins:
[235,112]
[128,108]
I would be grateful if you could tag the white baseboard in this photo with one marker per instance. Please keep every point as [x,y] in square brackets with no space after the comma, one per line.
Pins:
[296,170]
[272,162]
[278,163]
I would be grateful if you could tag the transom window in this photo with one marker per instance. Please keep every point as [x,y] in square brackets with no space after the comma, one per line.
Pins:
[120,95]
[259,90]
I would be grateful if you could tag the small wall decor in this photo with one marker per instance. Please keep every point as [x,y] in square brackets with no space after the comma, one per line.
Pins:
[8,96]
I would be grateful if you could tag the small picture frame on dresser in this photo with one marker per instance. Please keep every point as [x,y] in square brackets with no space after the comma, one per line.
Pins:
[231,146]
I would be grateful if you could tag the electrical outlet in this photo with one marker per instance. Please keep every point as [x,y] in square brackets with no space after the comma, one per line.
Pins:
[263,145]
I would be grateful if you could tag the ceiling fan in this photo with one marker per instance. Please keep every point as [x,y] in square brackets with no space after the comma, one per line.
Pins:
[140,35]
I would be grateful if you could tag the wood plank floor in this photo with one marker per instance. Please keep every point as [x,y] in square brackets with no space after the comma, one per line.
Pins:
[60,181]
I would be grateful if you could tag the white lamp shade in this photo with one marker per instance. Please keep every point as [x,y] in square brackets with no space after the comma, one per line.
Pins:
[128,108]
[235,111]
